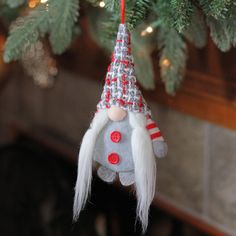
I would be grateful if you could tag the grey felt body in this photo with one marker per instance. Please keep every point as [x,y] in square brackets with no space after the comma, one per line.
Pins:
[125,168]
[104,146]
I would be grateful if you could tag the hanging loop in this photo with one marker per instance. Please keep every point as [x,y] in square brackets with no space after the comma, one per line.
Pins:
[122,11]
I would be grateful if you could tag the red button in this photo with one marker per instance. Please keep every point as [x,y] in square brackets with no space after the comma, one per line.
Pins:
[115,136]
[113,158]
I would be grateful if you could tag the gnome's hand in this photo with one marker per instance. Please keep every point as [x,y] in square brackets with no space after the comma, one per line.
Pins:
[160,148]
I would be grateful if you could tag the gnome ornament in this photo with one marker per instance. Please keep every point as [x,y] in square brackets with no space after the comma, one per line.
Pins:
[122,138]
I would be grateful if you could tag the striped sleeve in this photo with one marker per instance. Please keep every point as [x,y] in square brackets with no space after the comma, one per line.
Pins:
[155,133]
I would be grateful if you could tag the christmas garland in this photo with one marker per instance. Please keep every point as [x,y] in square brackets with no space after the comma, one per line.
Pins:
[164,24]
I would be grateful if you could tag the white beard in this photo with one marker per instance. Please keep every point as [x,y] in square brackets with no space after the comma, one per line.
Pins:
[85,162]
[144,164]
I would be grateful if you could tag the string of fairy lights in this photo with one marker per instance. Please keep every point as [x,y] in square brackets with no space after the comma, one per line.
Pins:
[45,75]
[33,3]
[101,4]
[45,79]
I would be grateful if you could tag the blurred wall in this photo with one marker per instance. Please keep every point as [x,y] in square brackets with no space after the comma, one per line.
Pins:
[199,173]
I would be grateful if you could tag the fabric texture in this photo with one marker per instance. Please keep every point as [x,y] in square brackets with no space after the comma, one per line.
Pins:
[121,87]
[105,146]
[127,178]
[106,175]
[154,131]
[160,148]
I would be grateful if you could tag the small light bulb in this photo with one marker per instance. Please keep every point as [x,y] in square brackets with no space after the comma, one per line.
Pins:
[47,6]
[102,4]
[143,33]
[43,1]
[32,5]
[149,29]
[165,63]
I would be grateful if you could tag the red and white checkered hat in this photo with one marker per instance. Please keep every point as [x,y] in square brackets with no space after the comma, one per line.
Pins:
[120,87]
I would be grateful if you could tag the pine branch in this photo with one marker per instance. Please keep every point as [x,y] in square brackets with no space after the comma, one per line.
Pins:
[137,13]
[57,19]
[172,17]
[163,12]
[215,8]
[26,31]
[103,27]
[231,25]
[182,11]
[172,47]
[15,3]
[218,8]
[173,58]
[141,51]
[219,33]
[109,30]
[112,5]
[223,31]
[63,15]
[196,32]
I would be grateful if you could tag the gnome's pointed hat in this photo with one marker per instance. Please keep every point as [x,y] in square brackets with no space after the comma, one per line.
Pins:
[120,87]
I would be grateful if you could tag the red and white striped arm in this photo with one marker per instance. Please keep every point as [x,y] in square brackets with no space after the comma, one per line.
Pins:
[155,133]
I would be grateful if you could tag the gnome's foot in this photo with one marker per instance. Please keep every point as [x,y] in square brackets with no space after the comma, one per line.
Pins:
[126,178]
[106,174]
